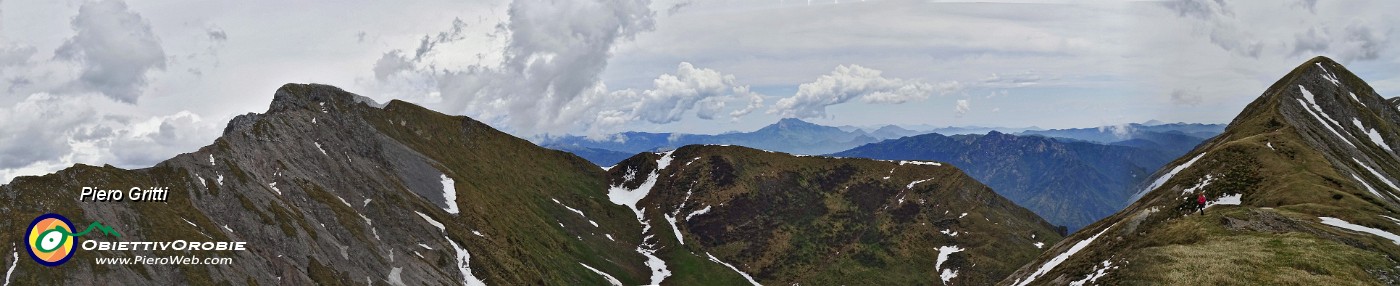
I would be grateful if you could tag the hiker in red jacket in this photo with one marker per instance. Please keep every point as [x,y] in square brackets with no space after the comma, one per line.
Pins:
[1201,202]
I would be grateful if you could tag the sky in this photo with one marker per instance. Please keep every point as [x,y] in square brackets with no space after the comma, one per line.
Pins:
[133,82]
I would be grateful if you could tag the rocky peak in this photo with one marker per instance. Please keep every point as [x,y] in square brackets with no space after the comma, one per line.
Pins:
[315,97]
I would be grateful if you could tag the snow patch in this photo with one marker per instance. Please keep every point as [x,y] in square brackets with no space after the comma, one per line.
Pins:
[201,181]
[432,221]
[696,213]
[1039,245]
[1317,113]
[579,212]
[948,273]
[273,185]
[8,273]
[1373,135]
[1270,144]
[221,179]
[1231,199]
[611,280]
[464,265]
[425,246]
[746,275]
[629,197]
[211,160]
[1050,265]
[1336,222]
[1396,221]
[449,194]
[395,276]
[1166,177]
[911,184]
[1377,174]
[920,163]
[675,228]
[1202,184]
[1099,271]
[318,147]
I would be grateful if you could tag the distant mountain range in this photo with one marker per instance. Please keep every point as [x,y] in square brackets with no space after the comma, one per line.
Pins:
[788,135]
[1069,183]
[796,136]
[1114,134]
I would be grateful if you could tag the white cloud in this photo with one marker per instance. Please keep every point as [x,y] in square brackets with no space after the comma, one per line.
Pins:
[962,107]
[115,47]
[15,55]
[548,80]
[672,96]
[1184,97]
[38,127]
[44,132]
[849,82]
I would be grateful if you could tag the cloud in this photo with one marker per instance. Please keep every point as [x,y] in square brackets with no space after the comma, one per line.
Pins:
[1122,131]
[1360,42]
[962,107]
[427,44]
[1311,5]
[16,55]
[38,127]
[1218,21]
[849,82]
[217,35]
[392,63]
[1356,42]
[673,95]
[1183,97]
[44,132]
[115,48]
[548,78]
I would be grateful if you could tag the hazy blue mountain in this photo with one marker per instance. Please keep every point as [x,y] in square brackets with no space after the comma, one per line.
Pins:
[600,157]
[787,135]
[1149,131]
[1070,183]
[892,132]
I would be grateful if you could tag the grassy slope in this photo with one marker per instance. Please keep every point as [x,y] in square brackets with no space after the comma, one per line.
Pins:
[1274,237]
[505,186]
[787,219]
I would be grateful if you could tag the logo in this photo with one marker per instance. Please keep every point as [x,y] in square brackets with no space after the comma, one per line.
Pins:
[51,238]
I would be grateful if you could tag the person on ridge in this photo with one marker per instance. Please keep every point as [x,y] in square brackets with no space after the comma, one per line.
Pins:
[1201,202]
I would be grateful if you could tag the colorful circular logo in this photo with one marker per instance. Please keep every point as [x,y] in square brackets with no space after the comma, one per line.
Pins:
[50,239]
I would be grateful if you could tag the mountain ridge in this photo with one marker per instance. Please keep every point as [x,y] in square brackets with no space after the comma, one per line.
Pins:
[1296,197]
[327,187]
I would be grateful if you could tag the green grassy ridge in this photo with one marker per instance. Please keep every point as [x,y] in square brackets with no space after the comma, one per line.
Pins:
[813,229]
[505,186]
[1275,236]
